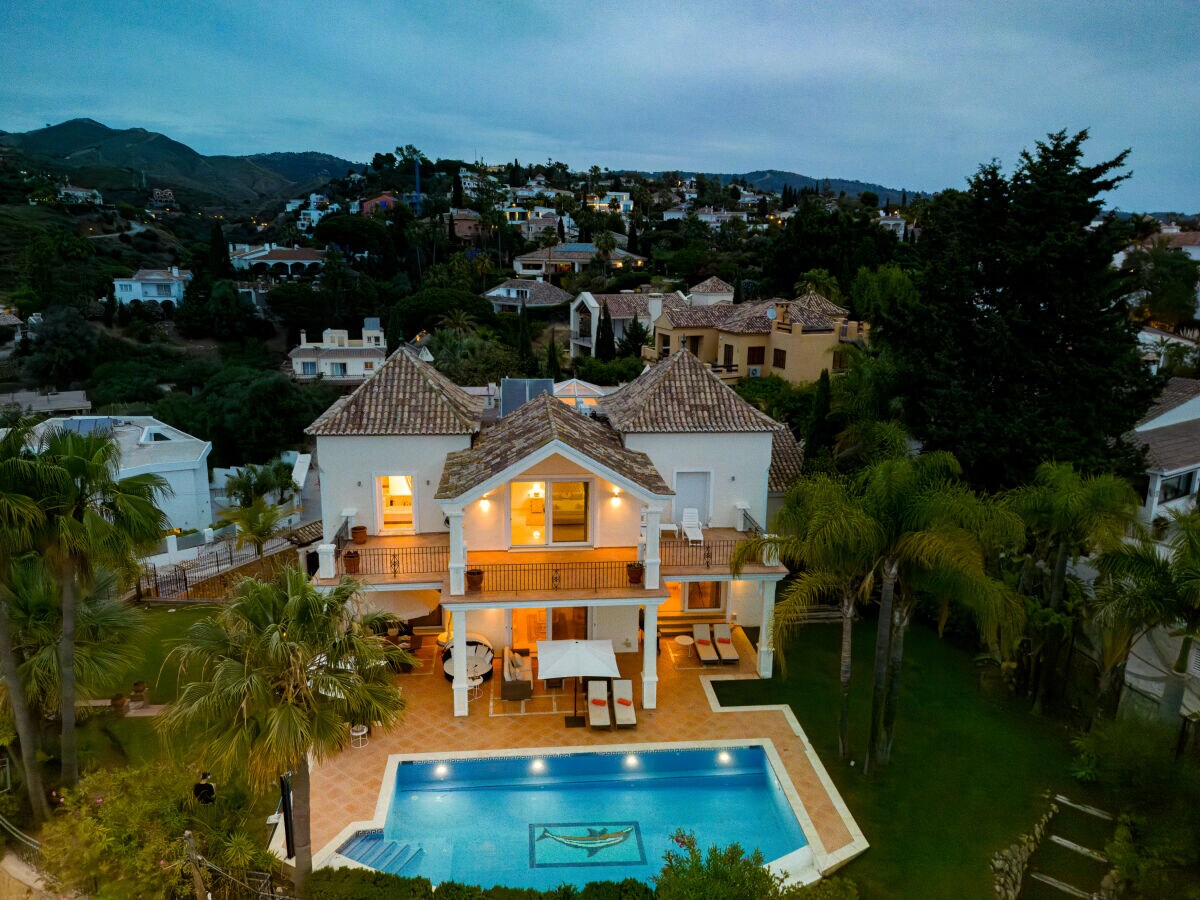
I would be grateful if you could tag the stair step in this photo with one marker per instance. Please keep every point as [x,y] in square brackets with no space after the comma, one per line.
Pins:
[1067,889]
[1079,848]
[1083,808]
[372,851]
[393,851]
[410,861]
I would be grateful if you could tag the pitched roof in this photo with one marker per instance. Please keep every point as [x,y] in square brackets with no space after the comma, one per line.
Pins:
[279,254]
[1177,392]
[404,396]
[1171,447]
[336,353]
[570,252]
[158,275]
[820,304]
[787,459]
[626,306]
[713,285]
[699,316]
[753,318]
[541,293]
[537,423]
[682,395]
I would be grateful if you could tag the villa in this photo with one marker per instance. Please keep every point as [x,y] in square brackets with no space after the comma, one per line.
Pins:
[273,259]
[152,284]
[588,308]
[567,258]
[339,357]
[492,537]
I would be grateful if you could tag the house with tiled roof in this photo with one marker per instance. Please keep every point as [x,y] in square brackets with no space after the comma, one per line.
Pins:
[1169,434]
[556,520]
[794,339]
[567,258]
[587,309]
[709,291]
[339,357]
[152,284]
[517,292]
[275,259]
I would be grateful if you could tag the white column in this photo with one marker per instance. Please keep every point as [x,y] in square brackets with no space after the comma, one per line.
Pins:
[209,536]
[650,658]
[653,537]
[1152,492]
[459,658]
[458,554]
[326,567]
[172,547]
[766,641]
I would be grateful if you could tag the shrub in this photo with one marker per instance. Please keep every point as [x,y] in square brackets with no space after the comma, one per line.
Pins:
[629,889]
[365,884]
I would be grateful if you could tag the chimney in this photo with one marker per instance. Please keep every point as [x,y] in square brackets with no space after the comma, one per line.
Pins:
[303,337]
[175,271]
[654,304]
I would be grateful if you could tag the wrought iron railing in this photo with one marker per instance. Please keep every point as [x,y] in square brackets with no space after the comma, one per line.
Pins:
[551,576]
[433,560]
[707,554]
[342,538]
[752,527]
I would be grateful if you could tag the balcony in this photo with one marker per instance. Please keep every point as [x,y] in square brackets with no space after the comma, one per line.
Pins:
[424,559]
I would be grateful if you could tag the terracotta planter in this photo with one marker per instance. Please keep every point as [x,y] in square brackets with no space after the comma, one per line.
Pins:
[358,534]
[474,579]
[350,562]
[119,704]
[635,573]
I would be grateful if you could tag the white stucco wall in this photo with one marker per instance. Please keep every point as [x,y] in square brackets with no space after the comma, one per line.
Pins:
[745,602]
[738,463]
[618,624]
[1184,412]
[189,504]
[348,467]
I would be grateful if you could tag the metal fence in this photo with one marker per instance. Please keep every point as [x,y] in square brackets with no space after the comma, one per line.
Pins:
[395,560]
[199,578]
[566,576]
[707,555]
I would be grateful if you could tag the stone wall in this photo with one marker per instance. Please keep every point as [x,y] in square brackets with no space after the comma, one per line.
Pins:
[1008,865]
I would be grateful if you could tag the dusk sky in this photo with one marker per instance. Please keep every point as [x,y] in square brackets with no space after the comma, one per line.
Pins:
[906,94]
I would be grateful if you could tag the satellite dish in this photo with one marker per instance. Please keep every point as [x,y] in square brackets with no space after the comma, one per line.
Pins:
[771,313]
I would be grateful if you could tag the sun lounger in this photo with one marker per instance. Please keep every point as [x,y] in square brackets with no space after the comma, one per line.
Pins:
[598,712]
[724,639]
[690,523]
[623,710]
[704,645]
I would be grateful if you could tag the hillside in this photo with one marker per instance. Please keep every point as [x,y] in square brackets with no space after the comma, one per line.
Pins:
[303,167]
[156,160]
[775,179]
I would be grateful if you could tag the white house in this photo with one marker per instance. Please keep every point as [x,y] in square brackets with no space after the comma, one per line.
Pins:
[568,258]
[152,284]
[587,309]
[709,292]
[69,193]
[274,259]
[613,201]
[525,528]
[151,447]
[337,356]
[1170,434]
[517,292]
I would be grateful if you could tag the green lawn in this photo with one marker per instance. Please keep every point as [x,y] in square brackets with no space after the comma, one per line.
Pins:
[967,772]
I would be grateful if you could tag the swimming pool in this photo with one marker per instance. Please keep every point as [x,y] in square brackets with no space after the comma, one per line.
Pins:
[537,820]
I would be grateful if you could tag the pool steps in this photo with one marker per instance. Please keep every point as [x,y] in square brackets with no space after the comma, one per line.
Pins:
[373,850]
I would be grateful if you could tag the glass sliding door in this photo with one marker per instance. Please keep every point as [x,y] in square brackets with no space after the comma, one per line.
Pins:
[395,497]
[546,513]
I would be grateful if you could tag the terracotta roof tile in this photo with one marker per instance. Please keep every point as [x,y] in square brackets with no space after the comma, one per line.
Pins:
[541,293]
[537,423]
[681,395]
[787,459]
[820,304]
[699,316]
[1177,392]
[626,306]
[1172,447]
[404,396]
[336,353]
[713,285]
[574,252]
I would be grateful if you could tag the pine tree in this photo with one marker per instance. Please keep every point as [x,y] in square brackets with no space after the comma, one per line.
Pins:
[606,344]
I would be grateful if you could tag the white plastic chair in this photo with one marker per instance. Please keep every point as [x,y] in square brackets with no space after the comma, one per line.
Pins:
[690,523]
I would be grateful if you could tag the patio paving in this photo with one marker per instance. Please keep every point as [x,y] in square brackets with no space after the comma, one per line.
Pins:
[345,788]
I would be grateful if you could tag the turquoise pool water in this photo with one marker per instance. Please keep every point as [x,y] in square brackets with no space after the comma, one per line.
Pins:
[539,821]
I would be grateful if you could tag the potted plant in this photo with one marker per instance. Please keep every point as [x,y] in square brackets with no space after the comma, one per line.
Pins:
[358,534]
[635,570]
[770,552]
[474,579]
[119,704]
[350,562]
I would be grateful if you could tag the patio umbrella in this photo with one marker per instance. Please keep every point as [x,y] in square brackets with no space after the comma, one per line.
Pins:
[576,659]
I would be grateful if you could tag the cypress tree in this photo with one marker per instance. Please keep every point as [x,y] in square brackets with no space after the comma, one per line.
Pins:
[525,355]
[457,196]
[632,244]
[553,366]
[393,333]
[562,231]
[818,437]
[219,265]
[606,344]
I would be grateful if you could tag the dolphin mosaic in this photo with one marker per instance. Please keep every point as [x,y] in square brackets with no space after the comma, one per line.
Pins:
[593,842]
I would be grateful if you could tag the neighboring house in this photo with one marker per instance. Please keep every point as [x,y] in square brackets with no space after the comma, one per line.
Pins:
[1170,435]
[541,512]
[13,321]
[385,201]
[794,339]
[152,284]
[613,201]
[718,217]
[533,228]
[624,308]
[892,222]
[69,193]
[514,215]
[675,214]
[272,259]
[582,395]
[54,402]
[709,291]
[568,258]
[466,224]
[151,447]
[1157,344]
[518,292]
[337,356]
[311,216]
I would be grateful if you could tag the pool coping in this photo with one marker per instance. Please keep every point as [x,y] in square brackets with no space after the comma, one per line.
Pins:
[799,866]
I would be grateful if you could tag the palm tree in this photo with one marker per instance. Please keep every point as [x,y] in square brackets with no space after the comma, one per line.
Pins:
[823,529]
[104,645]
[94,521]
[257,523]
[285,671]
[1067,515]
[1144,587]
[21,479]
[605,245]
[458,321]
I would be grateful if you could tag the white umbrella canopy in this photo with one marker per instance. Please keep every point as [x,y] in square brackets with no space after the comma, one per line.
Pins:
[568,659]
